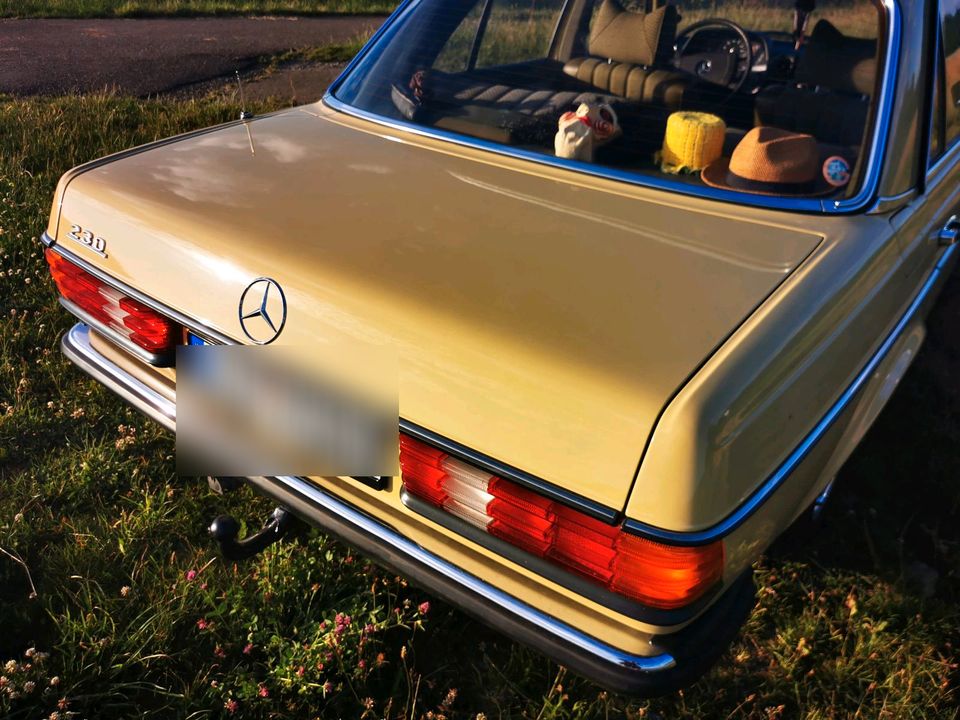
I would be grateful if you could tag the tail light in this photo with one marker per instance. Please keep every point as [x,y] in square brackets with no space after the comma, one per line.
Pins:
[131,319]
[655,574]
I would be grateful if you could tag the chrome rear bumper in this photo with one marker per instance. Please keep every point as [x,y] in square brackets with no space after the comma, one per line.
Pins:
[673,661]
[76,346]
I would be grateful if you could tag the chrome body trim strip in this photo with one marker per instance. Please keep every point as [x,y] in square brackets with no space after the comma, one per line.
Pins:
[76,346]
[943,165]
[872,171]
[761,494]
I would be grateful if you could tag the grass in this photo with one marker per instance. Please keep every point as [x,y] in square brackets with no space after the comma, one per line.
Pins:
[852,17]
[115,605]
[333,53]
[166,8]
[514,33]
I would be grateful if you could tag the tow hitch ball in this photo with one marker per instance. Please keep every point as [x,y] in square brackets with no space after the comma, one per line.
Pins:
[225,530]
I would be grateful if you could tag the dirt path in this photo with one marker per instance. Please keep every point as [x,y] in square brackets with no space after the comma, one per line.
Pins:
[149,56]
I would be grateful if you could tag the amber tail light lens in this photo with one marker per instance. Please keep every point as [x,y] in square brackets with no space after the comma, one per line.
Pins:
[657,575]
[130,318]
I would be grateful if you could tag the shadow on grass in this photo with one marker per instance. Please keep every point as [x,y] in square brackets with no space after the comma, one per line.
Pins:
[895,510]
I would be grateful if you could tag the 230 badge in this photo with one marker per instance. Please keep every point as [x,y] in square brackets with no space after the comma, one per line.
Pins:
[88,239]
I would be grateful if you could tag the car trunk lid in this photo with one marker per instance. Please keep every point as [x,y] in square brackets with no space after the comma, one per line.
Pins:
[541,317]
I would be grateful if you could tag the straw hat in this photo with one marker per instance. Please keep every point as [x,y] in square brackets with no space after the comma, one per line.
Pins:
[771,161]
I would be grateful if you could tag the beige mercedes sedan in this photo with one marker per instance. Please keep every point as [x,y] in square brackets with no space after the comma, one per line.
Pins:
[646,272]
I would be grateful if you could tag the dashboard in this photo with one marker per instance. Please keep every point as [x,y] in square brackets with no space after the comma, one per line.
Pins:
[720,55]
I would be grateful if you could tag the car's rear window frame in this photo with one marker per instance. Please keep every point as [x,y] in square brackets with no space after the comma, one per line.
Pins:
[889,37]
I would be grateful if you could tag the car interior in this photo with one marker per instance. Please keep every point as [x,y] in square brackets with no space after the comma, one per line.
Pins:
[664,76]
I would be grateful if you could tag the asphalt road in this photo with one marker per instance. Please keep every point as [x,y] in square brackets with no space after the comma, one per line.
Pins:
[147,56]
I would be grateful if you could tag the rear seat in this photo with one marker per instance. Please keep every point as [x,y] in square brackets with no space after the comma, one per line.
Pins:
[666,88]
[496,111]
[484,104]
[629,56]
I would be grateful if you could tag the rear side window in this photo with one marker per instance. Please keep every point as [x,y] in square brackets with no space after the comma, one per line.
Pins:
[500,32]
[950,22]
[517,31]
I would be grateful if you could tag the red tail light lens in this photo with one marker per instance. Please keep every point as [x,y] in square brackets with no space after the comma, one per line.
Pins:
[150,330]
[585,545]
[653,572]
[521,517]
[658,575]
[422,471]
[130,318]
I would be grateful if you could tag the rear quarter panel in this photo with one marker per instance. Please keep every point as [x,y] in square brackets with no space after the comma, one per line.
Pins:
[759,397]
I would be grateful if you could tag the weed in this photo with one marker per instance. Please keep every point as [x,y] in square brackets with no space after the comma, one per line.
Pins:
[113,604]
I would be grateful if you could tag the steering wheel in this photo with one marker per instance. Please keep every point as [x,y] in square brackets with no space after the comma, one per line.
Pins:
[727,63]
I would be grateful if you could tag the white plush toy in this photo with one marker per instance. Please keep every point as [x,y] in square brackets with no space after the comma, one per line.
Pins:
[583,131]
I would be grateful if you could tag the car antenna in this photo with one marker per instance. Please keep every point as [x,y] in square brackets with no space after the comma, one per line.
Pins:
[244,113]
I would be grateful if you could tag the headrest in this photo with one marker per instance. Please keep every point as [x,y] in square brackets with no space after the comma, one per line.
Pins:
[642,38]
[836,61]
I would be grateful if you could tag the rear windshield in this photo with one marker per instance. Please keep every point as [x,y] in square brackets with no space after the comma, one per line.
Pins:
[770,99]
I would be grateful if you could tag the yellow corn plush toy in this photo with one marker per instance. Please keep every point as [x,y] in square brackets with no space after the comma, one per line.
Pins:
[693,140]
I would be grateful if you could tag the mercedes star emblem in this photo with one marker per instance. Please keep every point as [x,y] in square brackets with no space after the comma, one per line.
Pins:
[263,310]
